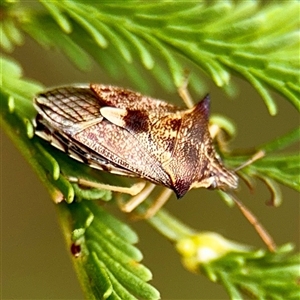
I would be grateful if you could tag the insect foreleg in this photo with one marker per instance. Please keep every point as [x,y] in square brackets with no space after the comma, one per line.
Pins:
[184,93]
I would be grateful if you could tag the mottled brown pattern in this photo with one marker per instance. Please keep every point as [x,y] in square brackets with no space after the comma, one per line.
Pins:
[155,140]
[124,98]
[137,121]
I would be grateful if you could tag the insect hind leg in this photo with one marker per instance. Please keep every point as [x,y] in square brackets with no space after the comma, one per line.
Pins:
[135,189]
[140,191]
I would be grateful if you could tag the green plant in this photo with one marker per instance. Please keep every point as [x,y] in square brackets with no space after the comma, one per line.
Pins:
[242,38]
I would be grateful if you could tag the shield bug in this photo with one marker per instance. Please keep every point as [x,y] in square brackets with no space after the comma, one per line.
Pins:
[126,133]
[123,132]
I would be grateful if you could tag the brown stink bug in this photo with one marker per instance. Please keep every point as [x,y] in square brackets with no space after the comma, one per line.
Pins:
[125,133]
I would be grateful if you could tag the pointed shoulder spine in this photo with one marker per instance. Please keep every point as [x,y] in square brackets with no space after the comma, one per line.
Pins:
[203,107]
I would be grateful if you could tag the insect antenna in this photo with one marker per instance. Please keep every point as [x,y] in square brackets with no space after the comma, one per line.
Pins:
[262,232]
[256,156]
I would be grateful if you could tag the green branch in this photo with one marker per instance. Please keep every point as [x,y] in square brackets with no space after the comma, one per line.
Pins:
[243,38]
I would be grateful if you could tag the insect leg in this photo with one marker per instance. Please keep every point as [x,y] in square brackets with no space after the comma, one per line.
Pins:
[184,93]
[137,199]
[135,189]
[214,130]
[218,135]
[158,203]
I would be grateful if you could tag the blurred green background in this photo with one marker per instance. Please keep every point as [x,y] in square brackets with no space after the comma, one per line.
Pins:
[35,261]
